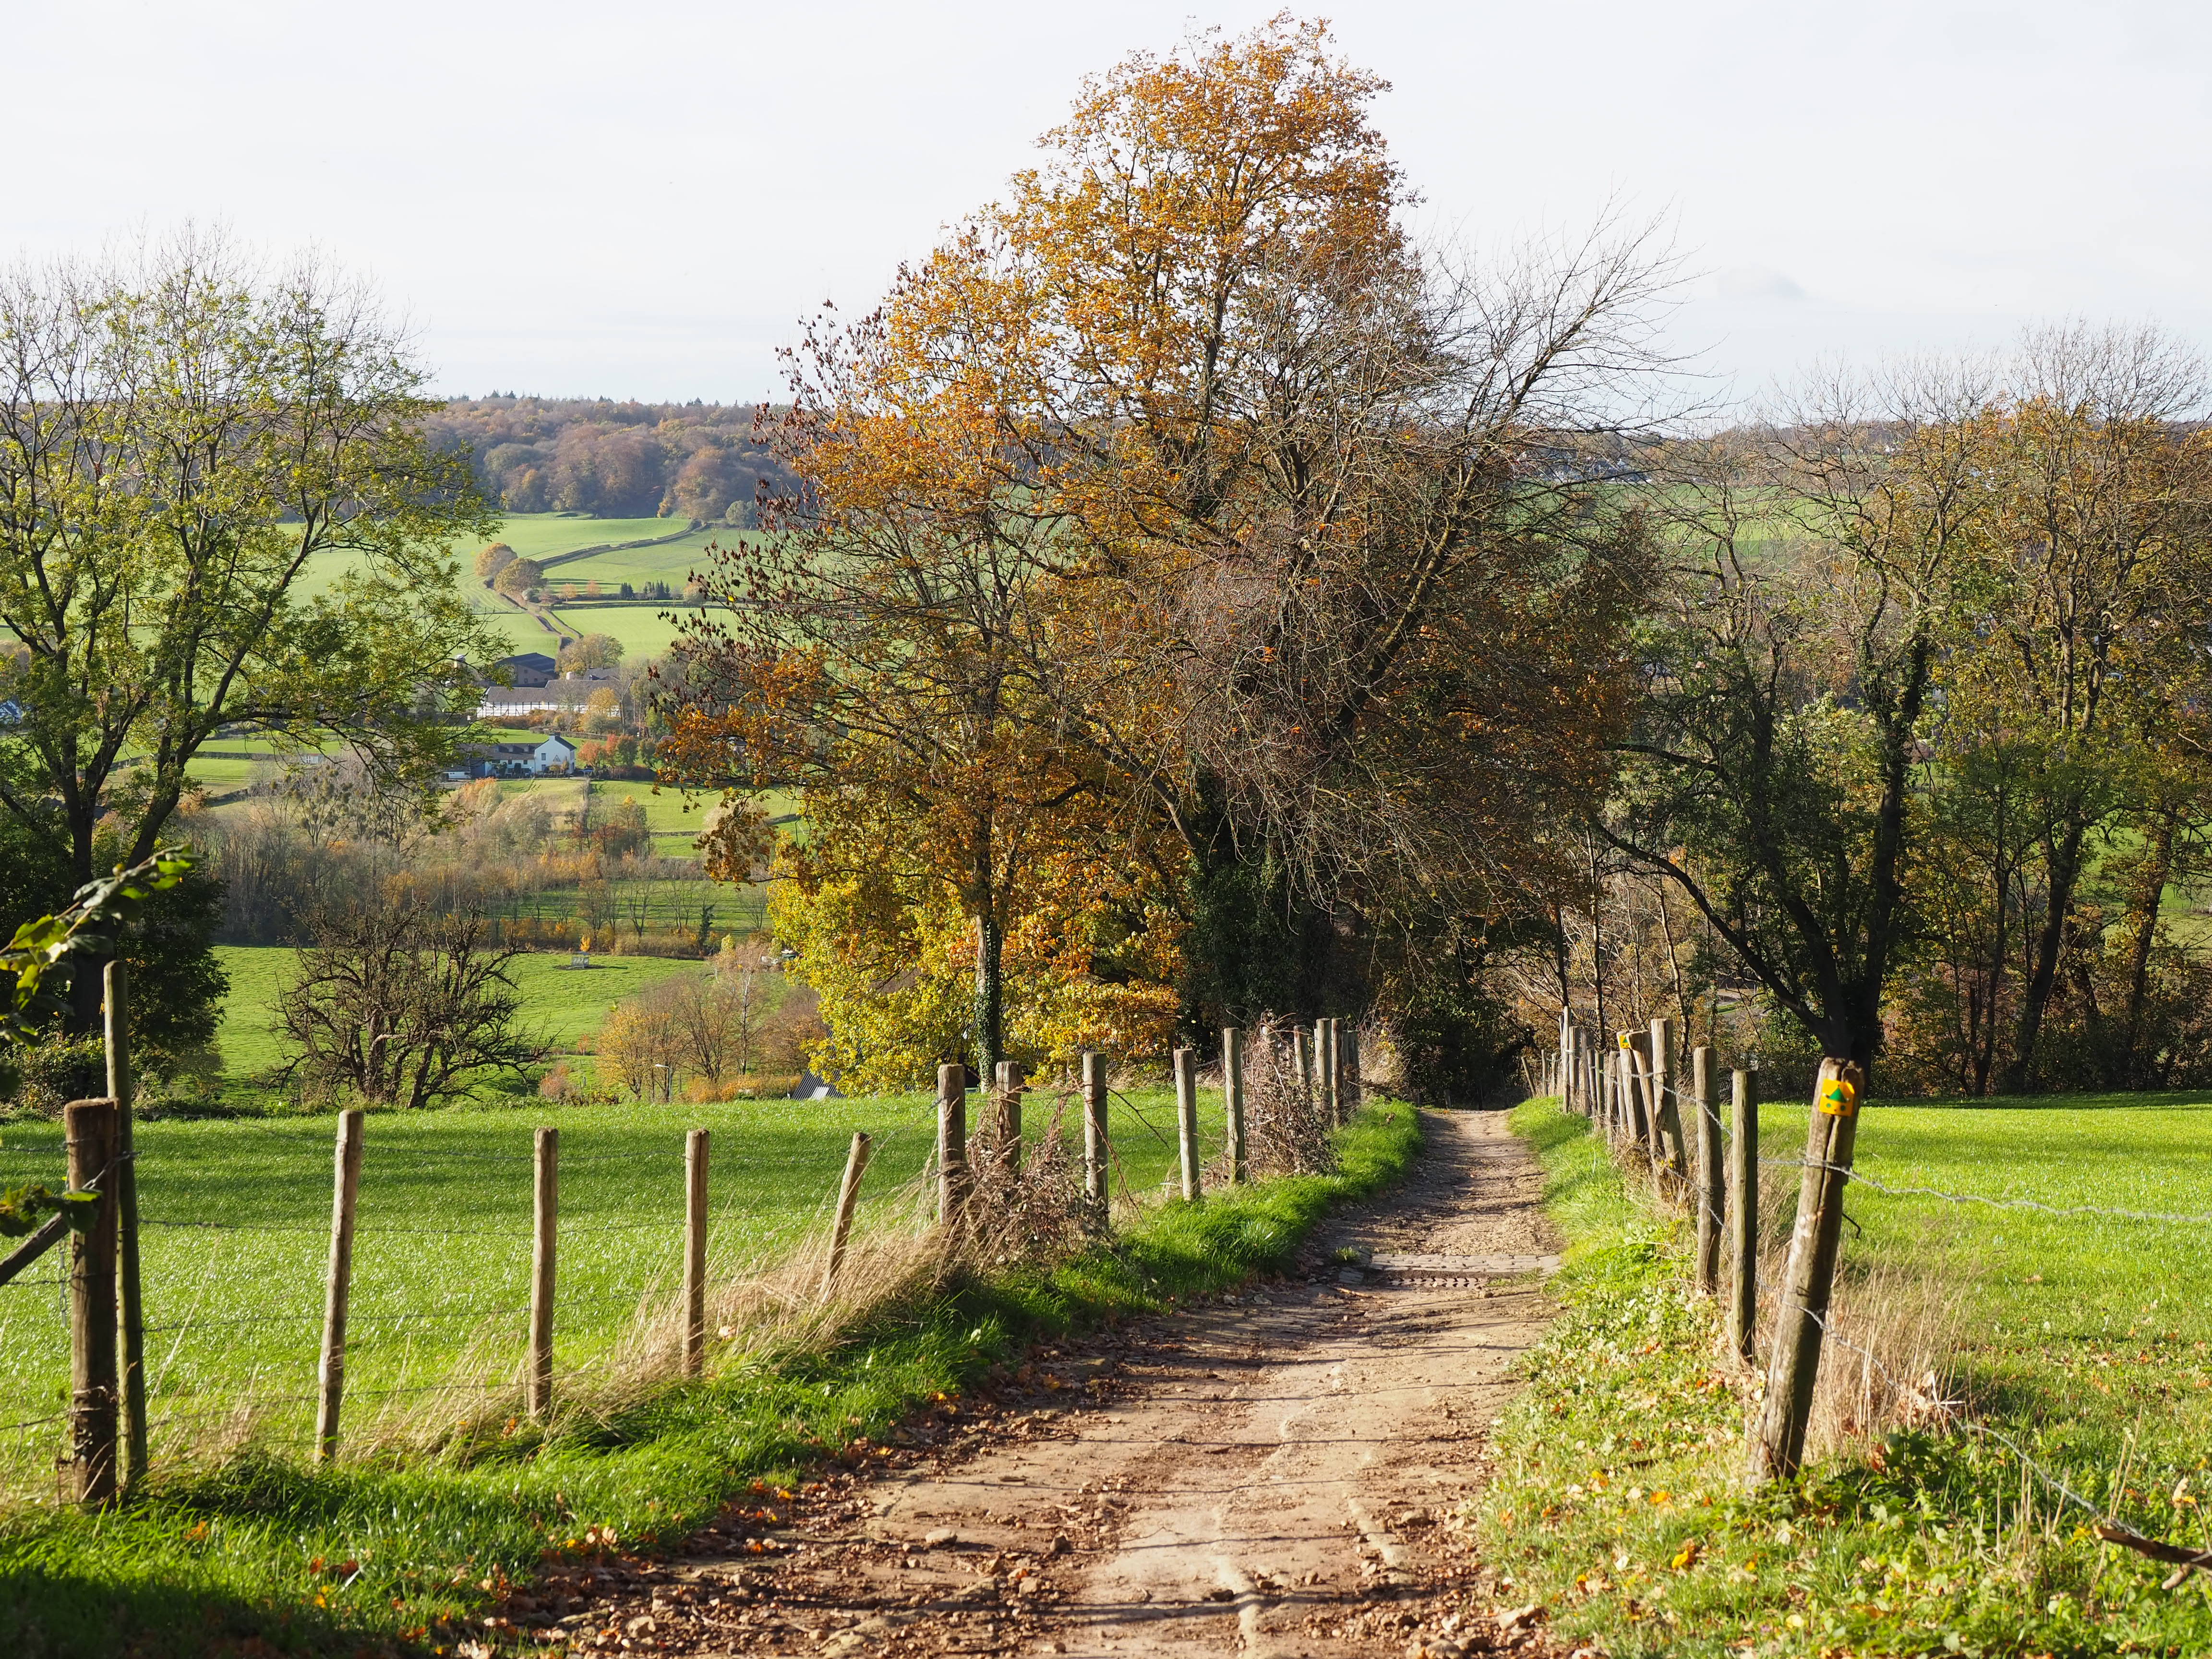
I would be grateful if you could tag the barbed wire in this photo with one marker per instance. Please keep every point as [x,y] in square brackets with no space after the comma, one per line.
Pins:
[2062,1211]
[354,1317]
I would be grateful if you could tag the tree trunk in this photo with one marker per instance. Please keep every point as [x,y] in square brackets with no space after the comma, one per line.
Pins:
[2142,921]
[2065,869]
[990,992]
[88,970]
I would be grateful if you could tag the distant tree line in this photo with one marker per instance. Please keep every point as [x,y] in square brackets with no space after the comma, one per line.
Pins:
[616,460]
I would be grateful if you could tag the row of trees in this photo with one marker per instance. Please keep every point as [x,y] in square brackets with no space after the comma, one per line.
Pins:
[1200,601]
[1189,599]
[1923,724]
[615,460]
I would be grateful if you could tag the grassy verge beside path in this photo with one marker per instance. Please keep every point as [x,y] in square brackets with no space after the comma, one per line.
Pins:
[1617,1501]
[261,1554]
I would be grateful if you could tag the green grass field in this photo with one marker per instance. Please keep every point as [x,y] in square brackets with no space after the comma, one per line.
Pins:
[237,1226]
[2080,1346]
[643,629]
[564,1004]
[543,535]
[671,561]
[229,1556]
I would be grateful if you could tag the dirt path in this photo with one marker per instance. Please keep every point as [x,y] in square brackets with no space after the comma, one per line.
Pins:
[1271,1475]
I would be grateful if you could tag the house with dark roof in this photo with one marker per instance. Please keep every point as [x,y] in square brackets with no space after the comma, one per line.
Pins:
[528,668]
[530,759]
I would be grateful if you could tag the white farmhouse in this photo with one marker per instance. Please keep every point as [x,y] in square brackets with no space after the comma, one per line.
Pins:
[555,750]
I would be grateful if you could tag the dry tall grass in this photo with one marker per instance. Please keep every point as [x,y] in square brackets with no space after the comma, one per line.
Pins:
[1894,1321]
[1029,1209]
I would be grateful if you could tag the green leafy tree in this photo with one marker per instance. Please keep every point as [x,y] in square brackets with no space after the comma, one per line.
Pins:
[1823,566]
[183,442]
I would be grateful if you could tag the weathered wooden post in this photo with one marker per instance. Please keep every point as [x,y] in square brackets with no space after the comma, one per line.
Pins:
[1624,1100]
[1743,1215]
[1668,1149]
[1302,1059]
[951,1142]
[1325,1054]
[337,1283]
[1634,1073]
[1232,1098]
[1010,1116]
[1353,1090]
[1098,1149]
[1710,1178]
[131,1307]
[1186,1091]
[89,1127]
[694,1252]
[544,1222]
[1777,1450]
[848,1198]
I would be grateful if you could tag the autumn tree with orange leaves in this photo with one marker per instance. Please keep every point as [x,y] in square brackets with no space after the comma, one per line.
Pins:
[1179,509]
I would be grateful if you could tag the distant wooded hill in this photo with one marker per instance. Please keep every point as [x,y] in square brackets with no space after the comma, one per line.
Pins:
[615,460]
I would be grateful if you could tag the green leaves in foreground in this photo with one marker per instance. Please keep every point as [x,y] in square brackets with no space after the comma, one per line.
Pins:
[22,1208]
[40,946]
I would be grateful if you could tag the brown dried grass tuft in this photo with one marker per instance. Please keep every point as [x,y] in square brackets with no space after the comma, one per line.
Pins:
[1031,1209]
[1286,1130]
[1893,1324]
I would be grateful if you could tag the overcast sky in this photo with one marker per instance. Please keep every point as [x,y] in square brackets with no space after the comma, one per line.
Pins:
[638,199]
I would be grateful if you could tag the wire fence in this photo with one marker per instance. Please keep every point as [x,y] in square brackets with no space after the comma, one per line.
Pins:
[1617,1109]
[442,1263]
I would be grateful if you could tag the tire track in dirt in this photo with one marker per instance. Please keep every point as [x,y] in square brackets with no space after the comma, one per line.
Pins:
[1273,1474]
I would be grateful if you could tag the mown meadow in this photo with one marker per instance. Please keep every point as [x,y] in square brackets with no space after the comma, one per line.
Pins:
[2073,1370]
[248,1542]
[237,1225]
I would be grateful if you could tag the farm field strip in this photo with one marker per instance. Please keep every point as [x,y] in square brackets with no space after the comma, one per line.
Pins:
[237,1215]
[643,629]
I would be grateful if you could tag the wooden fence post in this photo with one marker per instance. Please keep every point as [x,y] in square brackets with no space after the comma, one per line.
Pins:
[1354,1090]
[545,1216]
[89,1126]
[694,1252]
[1743,1215]
[1668,1149]
[848,1198]
[1709,1178]
[131,1307]
[951,1142]
[1186,1091]
[1302,1059]
[1632,1075]
[1098,1149]
[1232,1097]
[1010,1116]
[1778,1450]
[337,1283]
